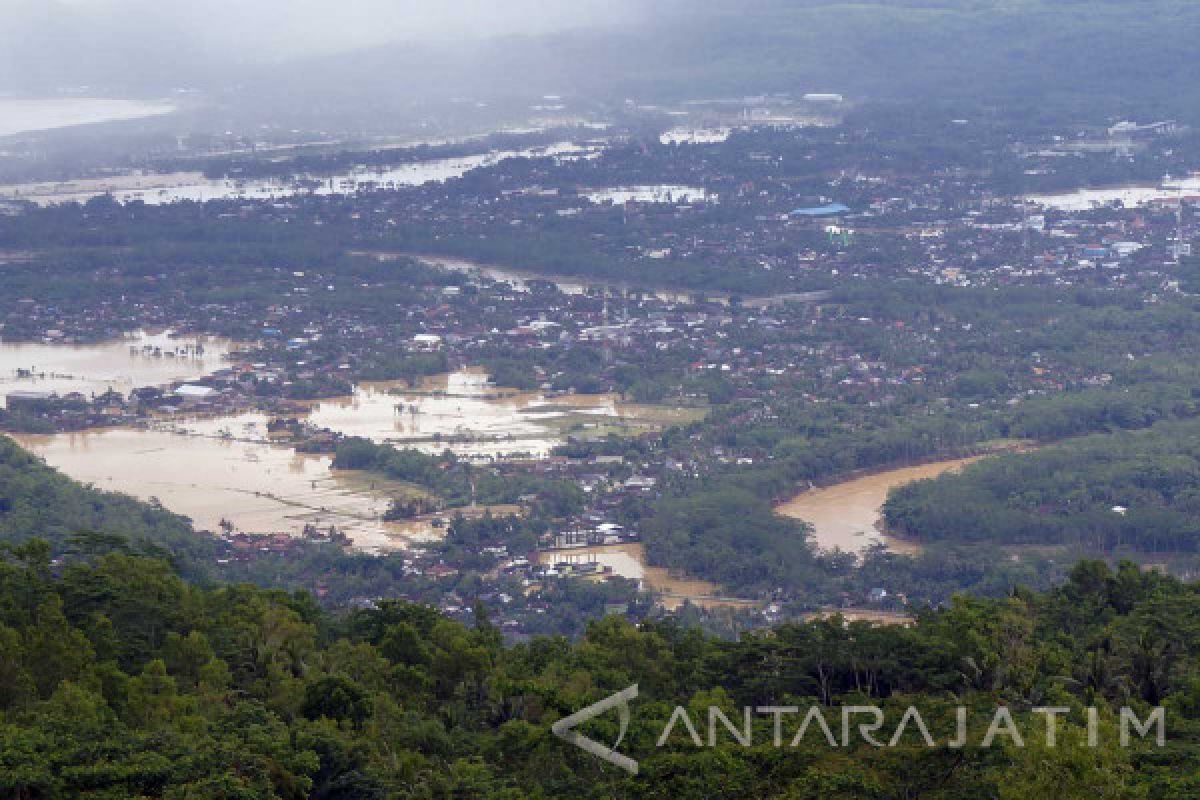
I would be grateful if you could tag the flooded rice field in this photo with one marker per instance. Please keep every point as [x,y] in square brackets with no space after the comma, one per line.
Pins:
[1127,196]
[461,412]
[520,279]
[663,193]
[256,487]
[695,135]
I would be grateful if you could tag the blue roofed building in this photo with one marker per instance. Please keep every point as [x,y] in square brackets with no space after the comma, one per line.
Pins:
[828,210]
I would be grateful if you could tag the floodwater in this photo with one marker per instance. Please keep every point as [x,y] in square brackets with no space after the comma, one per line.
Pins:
[22,115]
[1128,196]
[846,515]
[628,560]
[212,468]
[663,193]
[158,189]
[140,359]
[260,487]
[520,279]
[461,412]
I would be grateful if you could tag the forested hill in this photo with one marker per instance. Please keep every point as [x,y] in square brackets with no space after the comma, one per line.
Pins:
[1116,55]
[1053,55]
[118,679]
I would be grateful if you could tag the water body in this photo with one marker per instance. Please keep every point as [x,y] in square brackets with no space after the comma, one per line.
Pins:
[159,189]
[140,359]
[461,412]
[260,487]
[846,515]
[520,279]
[629,561]
[23,115]
[1128,196]
[227,467]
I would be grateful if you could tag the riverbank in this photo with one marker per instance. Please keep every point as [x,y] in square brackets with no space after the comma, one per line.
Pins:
[521,278]
[847,513]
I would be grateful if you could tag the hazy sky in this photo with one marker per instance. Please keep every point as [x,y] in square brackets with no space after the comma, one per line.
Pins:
[272,29]
[47,44]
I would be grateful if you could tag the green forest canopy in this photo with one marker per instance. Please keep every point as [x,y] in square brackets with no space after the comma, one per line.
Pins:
[118,679]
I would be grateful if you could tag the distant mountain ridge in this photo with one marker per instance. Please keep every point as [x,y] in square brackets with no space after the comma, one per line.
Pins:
[1139,55]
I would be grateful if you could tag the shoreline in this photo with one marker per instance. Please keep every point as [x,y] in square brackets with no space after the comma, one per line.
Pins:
[837,509]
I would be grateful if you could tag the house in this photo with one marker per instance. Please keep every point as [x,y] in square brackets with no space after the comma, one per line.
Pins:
[27,400]
[192,394]
[427,341]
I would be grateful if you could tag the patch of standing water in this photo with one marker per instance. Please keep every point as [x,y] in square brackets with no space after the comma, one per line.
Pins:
[162,189]
[140,359]
[259,487]
[1128,196]
[695,135]
[461,412]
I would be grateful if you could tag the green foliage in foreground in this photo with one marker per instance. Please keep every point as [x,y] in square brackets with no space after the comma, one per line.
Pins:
[118,679]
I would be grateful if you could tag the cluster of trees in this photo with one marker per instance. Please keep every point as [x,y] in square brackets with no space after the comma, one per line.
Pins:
[456,482]
[119,679]
[1128,491]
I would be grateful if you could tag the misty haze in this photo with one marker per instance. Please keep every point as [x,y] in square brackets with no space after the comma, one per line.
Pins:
[765,399]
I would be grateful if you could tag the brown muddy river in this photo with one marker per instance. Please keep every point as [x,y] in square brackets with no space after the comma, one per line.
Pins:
[846,515]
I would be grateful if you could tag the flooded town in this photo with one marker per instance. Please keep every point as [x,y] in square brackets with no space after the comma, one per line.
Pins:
[592,399]
[523,354]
